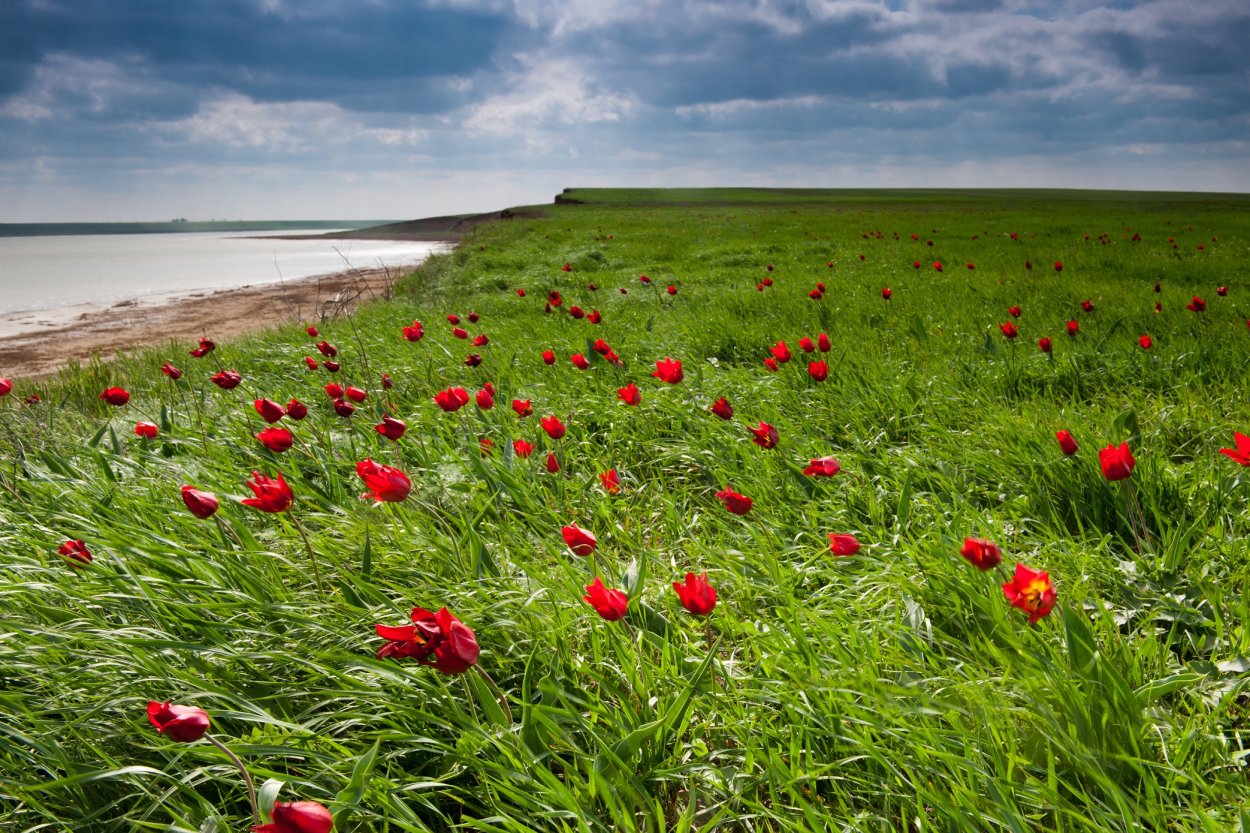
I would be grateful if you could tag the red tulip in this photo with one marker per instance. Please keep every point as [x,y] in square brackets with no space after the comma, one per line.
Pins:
[610,604]
[333,367]
[296,410]
[1087,305]
[451,399]
[311,362]
[722,409]
[552,464]
[334,390]
[915,264]
[1242,453]
[391,428]
[736,504]
[807,345]
[815,295]
[460,332]
[611,481]
[327,349]
[415,332]
[971,266]
[1028,266]
[486,447]
[312,331]
[522,449]
[566,268]
[579,361]
[276,440]
[202,504]
[1058,266]
[595,317]
[818,371]
[576,312]
[629,394]
[549,357]
[553,426]
[206,346]
[298,817]
[644,279]
[1067,443]
[1158,307]
[886,293]
[522,407]
[271,495]
[481,340]
[823,467]
[453,319]
[473,317]
[937,265]
[1009,329]
[1145,341]
[1158,287]
[1221,291]
[672,290]
[520,293]
[1031,592]
[146,430]
[387,381]
[771,364]
[1043,344]
[982,554]
[781,352]
[75,553]
[383,482]
[226,379]
[1196,305]
[668,370]
[115,396]
[171,371]
[485,400]
[1117,463]
[184,724]
[581,541]
[843,544]
[269,410]
[344,408]
[695,594]
[1073,328]
[438,640]
[822,343]
[1014,312]
[472,360]
[765,436]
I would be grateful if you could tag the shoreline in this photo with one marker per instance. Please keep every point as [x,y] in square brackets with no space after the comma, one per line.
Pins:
[219,314]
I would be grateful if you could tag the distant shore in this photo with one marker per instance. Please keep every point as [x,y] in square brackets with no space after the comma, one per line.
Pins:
[217,314]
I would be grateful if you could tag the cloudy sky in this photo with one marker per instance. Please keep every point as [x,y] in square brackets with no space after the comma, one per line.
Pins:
[270,109]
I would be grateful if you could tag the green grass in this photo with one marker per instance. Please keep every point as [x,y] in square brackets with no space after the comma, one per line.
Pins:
[892,690]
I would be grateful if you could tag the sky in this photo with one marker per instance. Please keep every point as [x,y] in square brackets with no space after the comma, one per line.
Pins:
[114,110]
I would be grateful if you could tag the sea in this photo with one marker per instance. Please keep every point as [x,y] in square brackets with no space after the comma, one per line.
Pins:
[52,274]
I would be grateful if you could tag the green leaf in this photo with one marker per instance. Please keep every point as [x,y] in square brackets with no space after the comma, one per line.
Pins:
[351,795]
[267,795]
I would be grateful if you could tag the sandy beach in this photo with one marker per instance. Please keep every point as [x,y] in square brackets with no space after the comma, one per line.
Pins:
[220,314]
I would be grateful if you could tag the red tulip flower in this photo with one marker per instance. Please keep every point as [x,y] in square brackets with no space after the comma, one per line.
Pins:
[549,357]
[765,436]
[184,724]
[296,410]
[75,553]
[1009,329]
[1242,453]
[115,396]
[771,364]
[344,408]
[275,439]
[520,293]
[438,640]
[269,410]
[459,332]
[1030,591]
[171,371]
[391,428]
[1073,328]
[695,594]
[1221,291]
[1067,443]
[355,394]
[1087,305]
[581,541]
[722,409]
[206,346]
[668,370]
[822,343]
[815,295]
[383,482]
[807,345]
[522,449]
[629,394]
[271,495]
[485,400]
[843,544]
[915,264]
[736,504]
[1043,344]
[982,554]
[473,317]
[610,604]
[937,265]
[1014,312]
[568,267]
[146,430]
[1196,305]
[1117,463]
[334,390]
[823,467]
[579,361]
[576,312]
[611,481]
[451,399]
[552,464]
[472,360]
[886,293]
[644,279]
[595,316]
[818,371]
[298,817]
[781,352]
[1145,341]
[226,379]
[486,447]
[202,504]
[312,331]
[522,407]
[1058,266]
[327,349]
[333,367]
[453,319]
[415,332]
[553,426]
[311,363]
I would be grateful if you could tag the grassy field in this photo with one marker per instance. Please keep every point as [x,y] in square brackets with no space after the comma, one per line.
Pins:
[897,688]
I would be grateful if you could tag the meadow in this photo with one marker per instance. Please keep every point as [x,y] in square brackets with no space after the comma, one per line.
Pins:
[874,659]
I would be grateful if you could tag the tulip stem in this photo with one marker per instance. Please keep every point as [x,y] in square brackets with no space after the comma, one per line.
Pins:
[499,695]
[312,555]
[247,778]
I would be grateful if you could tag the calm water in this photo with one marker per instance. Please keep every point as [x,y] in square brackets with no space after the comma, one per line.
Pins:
[45,279]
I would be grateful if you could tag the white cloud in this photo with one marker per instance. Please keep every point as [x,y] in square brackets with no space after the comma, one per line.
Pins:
[548,93]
